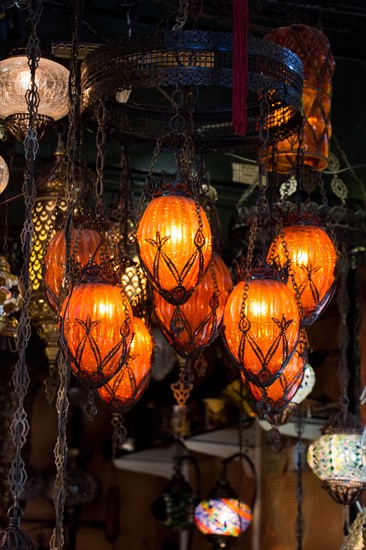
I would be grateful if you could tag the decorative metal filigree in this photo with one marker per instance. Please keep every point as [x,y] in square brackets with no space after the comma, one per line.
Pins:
[190,58]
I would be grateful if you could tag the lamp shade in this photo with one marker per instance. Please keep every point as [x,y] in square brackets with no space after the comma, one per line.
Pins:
[275,397]
[52,84]
[313,49]
[261,328]
[306,386]
[338,458]
[195,324]
[86,245]
[222,517]
[127,386]
[313,256]
[95,331]
[4,174]
[175,248]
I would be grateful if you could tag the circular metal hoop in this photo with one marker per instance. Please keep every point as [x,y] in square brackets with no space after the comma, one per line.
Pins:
[201,63]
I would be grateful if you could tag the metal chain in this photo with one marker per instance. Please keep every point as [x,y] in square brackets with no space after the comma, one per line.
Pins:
[99,165]
[57,541]
[343,332]
[182,15]
[299,461]
[119,432]
[20,425]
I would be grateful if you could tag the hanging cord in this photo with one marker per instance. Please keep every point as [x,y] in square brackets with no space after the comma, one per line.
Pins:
[343,332]
[299,461]
[57,540]
[20,426]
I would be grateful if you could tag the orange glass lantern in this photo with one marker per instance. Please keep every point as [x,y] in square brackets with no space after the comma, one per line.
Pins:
[261,327]
[96,331]
[175,248]
[127,386]
[194,325]
[275,397]
[313,49]
[86,245]
[313,258]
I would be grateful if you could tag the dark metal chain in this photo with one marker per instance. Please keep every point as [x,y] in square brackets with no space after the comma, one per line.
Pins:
[20,426]
[119,432]
[99,166]
[343,332]
[299,460]
[57,541]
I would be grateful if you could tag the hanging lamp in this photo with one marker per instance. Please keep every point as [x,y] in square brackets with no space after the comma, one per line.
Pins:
[174,242]
[127,386]
[193,326]
[262,325]
[338,457]
[175,507]
[222,517]
[10,298]
[95,326]
[312,255]
[273,399]
[86,245]
[51,80]
[313,48]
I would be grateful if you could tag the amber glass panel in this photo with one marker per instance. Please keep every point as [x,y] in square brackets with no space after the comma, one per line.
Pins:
[263,334]
[127,386]
[313,258]
[313,48]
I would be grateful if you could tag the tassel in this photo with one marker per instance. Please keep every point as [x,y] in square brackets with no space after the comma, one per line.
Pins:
[240,66]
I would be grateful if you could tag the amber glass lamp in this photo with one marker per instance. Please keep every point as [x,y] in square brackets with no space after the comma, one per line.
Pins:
[272,400]
[86,245]
[127,386]
[52,83]
[95,326]
[313,258]
[261,326]
[313,49]
[192,326]
[175,245]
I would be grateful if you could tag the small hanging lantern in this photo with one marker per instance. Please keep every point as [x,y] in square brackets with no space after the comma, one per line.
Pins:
[262,325]
[223,517]
[86,246]
[313,257]
[10,298]
[127,386]
[51,79]
[194,325]
[95,328]
[313,49]
[338,458]
[174,240]
[175,507]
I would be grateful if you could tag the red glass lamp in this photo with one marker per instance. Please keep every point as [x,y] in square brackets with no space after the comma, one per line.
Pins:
[86,245]
[313,49]
[313,258]
[127,386]
[261,327]
[192,326]
[96,330]
[175,245]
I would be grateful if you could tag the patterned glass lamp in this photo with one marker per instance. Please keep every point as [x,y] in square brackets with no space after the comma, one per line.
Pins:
[52,82]
[10,298]
[223,517]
